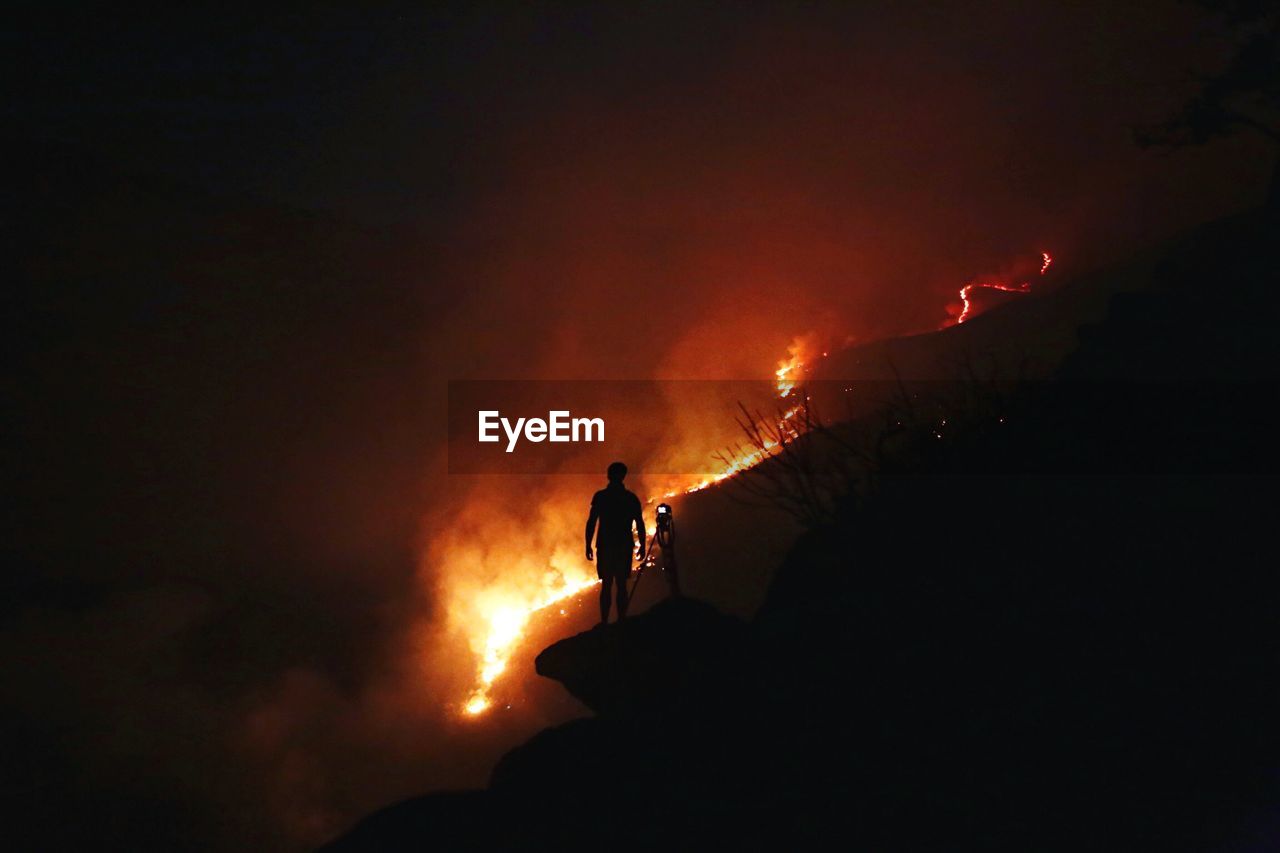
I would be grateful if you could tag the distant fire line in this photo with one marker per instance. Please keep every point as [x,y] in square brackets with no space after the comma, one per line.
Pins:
[1046,260]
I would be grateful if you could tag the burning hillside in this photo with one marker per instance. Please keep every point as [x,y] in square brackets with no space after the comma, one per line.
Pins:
[494,615]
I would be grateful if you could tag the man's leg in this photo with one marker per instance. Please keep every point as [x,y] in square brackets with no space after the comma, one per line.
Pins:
[605,583]
[622,595]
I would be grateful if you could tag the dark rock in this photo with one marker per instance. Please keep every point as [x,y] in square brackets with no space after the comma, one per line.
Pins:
[559,760]
[446,821]
[650,663]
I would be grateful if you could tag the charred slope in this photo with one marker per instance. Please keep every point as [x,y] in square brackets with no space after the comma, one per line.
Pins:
[1054,634]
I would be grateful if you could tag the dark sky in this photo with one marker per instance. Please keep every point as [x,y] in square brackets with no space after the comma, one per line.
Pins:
[253,246]
[373,113]
[382,115]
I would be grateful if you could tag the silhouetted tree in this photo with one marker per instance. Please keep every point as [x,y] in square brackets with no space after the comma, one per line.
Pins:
[1243,95]
[806,469]
[815,470]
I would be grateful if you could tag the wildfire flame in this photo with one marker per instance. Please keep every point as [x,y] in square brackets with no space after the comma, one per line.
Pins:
[789,373]
[789,370]
[801,353]
[741,461]
[966,309]
[506,623]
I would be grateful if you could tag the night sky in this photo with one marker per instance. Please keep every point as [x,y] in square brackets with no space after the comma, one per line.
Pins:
[253,246]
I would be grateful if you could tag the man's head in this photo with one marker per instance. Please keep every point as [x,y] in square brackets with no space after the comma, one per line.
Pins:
[617,472]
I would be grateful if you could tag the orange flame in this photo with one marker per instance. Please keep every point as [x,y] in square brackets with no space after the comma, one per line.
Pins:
[506,623]
[788,372]
[965,292]
[801,353]
[966,303]
[744,459]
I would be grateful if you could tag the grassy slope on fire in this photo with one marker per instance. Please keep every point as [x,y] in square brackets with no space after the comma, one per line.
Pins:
[1055,635]
[732,544]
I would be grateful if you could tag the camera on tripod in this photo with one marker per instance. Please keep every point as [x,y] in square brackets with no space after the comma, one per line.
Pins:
[664,536]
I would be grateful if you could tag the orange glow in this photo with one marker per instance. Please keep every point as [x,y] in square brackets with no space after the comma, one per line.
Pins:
[502,630]
[741,461]
[786,373]
[791,369]
[790,373]
[965,292]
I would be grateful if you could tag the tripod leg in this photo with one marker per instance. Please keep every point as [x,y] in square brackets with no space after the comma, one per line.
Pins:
[672,573]
[644,564]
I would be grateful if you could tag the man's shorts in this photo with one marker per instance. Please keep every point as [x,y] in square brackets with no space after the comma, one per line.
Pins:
[613,564]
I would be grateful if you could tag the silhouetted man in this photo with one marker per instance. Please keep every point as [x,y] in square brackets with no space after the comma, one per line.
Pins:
[615,509]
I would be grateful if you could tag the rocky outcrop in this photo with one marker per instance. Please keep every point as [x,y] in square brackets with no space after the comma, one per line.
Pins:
[460,820]
[648,664]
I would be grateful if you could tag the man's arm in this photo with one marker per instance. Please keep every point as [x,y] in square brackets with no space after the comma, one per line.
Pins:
[592,518]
